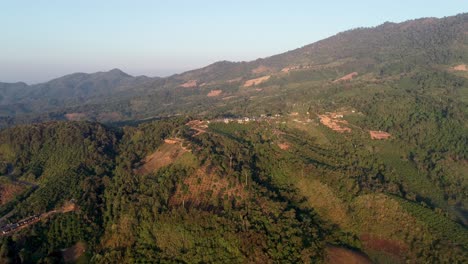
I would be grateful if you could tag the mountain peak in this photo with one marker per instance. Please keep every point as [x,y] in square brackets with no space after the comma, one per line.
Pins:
[117,71]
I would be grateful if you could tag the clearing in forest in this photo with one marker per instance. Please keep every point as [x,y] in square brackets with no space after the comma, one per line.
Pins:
[207,187]
[189,84]
[335,122]
[256,81]
[347,77]
[166,154]
[214,93]
[379,134]
[461,67]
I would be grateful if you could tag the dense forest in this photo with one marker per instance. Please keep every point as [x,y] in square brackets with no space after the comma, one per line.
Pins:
[353,147]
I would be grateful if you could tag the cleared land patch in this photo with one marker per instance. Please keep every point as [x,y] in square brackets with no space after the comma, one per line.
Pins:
[189,84]
[166,154]
[214,93]
[347,77]
[461,67]
[256,81]
[206,187]
[379,134]
[335,122]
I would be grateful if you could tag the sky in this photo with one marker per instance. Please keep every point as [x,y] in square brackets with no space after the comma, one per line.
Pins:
[44,39]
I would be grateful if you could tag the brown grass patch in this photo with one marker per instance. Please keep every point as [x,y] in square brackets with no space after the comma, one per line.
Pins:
[379,134]
[214,93]
[347,77]
[339,255]
[8,191]
[202,188]
[75,116]
[189,84]
[166,154]
[461,67]
[73,253]
[393,248]
[256,81]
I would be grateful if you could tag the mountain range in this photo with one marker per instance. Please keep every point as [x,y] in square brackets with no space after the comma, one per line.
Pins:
[353,149]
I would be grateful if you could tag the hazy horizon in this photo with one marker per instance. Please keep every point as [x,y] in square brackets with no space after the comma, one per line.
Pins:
[49,40]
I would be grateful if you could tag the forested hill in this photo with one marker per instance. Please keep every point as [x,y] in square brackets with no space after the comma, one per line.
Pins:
[73,89]
[383,53]
[182,190]
[354,147]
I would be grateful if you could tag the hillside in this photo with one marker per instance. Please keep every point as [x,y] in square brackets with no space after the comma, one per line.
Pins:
[250,192]
[378,55]
[353,147]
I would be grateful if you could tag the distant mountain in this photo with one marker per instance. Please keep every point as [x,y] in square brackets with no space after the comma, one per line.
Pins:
[76,88]
[379,53]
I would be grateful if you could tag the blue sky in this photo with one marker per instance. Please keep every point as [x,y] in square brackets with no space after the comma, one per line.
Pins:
[44,39]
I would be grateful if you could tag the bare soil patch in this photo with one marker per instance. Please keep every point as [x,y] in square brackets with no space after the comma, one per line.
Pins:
[284,146]
[289,68]
[214,93]
[347,77]
[379,134]
[461,67]
[256,81]
[69,207]
[189,84]
[339,255]
[74,252]
[166,154]
[75,116]
[334,122]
